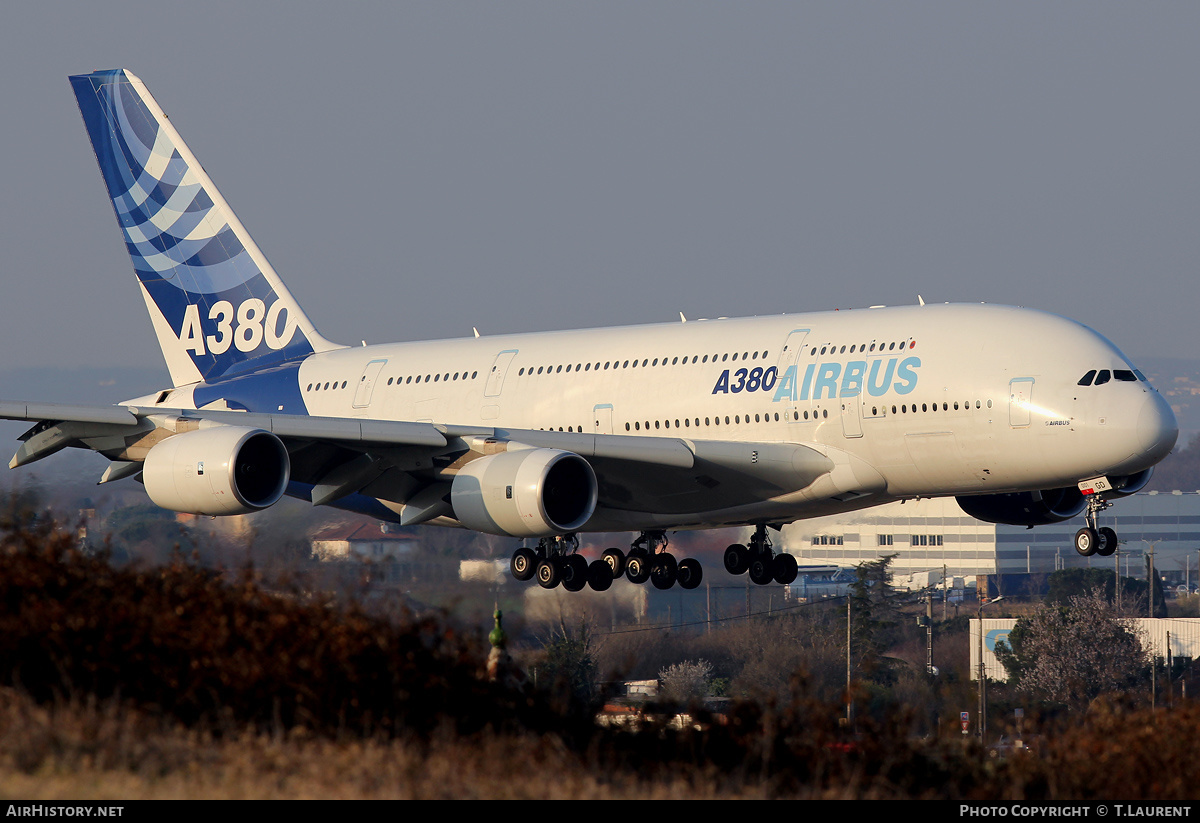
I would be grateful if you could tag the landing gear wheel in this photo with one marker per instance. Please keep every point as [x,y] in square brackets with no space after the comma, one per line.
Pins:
[1086,541]
[548,573]
[1108,542]
[690,573]
[663,571]
[783,569]
[599,576]
[615,558]
[760,570]
[523,563]
[574,573]
[637,568]
[737,559]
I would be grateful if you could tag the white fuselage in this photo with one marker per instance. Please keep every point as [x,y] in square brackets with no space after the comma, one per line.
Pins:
[910,402]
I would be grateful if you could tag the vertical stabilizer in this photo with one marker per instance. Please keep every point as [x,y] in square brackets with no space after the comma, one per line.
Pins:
[217,306]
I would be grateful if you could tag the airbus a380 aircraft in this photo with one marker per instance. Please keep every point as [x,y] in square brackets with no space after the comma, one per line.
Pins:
[1025,417]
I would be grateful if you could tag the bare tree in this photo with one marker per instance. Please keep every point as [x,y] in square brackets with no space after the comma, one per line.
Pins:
[1069,655]
[687,681]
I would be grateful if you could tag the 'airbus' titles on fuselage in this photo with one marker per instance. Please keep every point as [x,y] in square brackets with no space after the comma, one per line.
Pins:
[825,380]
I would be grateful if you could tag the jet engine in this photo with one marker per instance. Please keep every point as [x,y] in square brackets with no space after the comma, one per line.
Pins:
[525,493]
[220,470]
[1025,508]
[1128,484]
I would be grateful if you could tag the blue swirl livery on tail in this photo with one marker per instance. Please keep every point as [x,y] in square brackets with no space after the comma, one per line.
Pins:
[218,307]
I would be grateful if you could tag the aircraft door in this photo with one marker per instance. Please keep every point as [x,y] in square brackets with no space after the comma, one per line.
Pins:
[851,416]
[366,383]
[1020,396]
[789,358]
[602,414]
[495,381]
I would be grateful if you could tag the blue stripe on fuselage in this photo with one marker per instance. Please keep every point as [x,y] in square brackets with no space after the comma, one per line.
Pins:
[274,390]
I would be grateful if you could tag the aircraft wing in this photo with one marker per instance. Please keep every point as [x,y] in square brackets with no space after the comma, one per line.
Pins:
[413,463]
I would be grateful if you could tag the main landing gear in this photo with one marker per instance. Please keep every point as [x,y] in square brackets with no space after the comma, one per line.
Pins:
[555,561]
[1092,540]
[760,561]
[649,559]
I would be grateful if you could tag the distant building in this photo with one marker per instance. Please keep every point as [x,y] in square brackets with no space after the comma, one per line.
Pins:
[363,541]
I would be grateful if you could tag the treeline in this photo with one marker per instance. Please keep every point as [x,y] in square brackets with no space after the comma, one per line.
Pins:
[180,647]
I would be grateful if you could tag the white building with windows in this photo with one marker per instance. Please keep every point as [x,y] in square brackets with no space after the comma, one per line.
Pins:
[926,535]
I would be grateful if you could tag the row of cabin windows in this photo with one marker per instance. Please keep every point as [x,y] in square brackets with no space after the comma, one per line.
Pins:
[635,363]
[737,419]
[862,347]
[928,407]
[1094,378]
[428,378]
[327,386]
[434,378]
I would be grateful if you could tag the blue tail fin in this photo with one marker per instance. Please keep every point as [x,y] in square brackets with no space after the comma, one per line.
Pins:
[217,306]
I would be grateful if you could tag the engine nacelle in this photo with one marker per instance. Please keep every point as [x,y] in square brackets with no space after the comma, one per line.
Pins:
[220,470]
[525,493]
[1128,484]
[1025,508]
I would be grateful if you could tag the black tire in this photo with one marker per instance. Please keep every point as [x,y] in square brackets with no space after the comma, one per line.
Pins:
[760,570]
[637,568]
[615,558]
[548,573]
[1108,542]
[737,559]
[523,564]
[1086,541]
[663,571]
[574,573]
[600,576]
[783,569]
[690,573]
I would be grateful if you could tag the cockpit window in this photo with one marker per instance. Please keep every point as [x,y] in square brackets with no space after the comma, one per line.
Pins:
[1103,377]
[1125,375]
[1086,380]
[1140,376]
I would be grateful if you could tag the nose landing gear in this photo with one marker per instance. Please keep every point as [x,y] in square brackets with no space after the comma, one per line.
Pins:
[1092,540]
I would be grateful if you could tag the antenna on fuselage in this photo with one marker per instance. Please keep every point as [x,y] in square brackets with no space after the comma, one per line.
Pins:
[921,300]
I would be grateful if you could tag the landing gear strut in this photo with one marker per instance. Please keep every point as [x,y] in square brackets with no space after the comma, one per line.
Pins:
[555,561]
[763,564]
[1092,540]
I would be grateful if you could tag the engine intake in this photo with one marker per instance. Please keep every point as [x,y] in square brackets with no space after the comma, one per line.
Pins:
[217,471]
[1025,508]
[525,493]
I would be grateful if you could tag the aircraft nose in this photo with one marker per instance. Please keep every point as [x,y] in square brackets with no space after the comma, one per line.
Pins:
[1157,428]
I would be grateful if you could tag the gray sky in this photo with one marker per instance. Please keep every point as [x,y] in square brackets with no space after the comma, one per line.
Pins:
[413,169]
